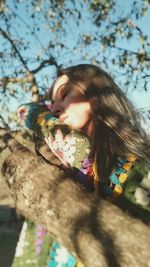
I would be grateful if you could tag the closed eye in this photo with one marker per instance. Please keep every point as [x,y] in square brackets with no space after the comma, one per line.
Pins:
[64,95]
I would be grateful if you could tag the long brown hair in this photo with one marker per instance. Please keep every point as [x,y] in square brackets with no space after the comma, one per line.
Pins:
[116,123]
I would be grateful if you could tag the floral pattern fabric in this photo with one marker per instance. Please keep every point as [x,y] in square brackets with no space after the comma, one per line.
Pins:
[60,257]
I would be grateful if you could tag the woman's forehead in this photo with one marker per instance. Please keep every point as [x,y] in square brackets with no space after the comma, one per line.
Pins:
[59,81]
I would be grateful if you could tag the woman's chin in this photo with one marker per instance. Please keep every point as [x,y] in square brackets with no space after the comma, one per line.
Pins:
[72,125]
[76,126]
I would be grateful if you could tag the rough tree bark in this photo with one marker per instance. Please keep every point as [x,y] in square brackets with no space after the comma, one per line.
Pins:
[97,232]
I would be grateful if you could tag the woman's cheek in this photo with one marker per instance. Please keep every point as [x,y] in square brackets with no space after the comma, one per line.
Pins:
[77,122]
[78,115]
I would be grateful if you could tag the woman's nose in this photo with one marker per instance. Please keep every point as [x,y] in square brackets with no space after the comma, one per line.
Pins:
[56,109]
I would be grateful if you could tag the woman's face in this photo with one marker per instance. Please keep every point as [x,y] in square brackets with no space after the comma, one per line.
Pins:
[70,105]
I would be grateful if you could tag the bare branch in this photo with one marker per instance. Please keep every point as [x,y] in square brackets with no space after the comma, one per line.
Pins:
[4,123]
[50,61]
[26,24]
[146,76]
[144,57]
[5,35]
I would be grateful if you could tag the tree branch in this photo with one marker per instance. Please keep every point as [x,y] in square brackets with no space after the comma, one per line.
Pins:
[50,61]
[4,122]
[144,57]
[5,35]
[94,230]
[26,24]
[146,76]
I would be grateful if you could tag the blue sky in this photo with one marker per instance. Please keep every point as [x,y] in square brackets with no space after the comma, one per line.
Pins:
[140,98]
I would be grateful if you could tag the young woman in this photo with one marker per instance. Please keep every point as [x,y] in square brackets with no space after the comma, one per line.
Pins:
[86,99]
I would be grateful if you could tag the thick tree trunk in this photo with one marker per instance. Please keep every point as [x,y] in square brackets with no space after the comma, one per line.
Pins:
[96,232]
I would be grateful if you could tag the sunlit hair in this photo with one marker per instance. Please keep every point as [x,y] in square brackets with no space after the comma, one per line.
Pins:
[116,123]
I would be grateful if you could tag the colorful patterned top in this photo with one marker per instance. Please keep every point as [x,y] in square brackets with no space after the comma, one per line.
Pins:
[73,148]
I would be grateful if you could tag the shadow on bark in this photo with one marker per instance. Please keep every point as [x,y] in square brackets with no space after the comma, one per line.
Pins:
[10,227]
